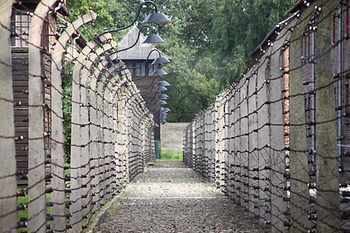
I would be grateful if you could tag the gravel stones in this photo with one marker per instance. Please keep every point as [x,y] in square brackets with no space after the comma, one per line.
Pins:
[169,197]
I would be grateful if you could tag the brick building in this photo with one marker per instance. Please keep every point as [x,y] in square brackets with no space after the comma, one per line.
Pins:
[136,60]
[22,13]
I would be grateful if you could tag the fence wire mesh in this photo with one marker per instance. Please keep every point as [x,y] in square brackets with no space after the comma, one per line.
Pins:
[277,141]
[74,128]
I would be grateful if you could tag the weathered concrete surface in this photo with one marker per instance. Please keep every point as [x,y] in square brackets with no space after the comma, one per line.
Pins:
[169,197]
[172,136]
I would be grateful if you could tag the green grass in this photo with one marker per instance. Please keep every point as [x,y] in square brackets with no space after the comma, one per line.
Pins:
[24,213]
[170,156]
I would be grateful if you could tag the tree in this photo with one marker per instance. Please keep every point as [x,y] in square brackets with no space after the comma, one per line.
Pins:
[208,41]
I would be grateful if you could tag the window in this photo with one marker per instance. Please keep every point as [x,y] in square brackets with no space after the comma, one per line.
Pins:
[306,47]
[137,69]
[347,17]
[20,28]
[335,28]
[340,67]
[284,64]
[308,53]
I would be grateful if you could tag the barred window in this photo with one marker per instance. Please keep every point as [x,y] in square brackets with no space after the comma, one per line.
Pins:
[20,28]
[137,68]
[347,17]
[341,70]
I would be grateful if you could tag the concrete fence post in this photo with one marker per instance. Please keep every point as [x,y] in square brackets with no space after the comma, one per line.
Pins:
[57,152]
[36,150]
[244,141]
[327,172]
[299,190]
[8,206]
[254,203]
[264,139]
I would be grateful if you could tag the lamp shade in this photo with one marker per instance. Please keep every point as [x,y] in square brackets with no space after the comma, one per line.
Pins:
[162,102]
[163,97]
[158,72]
[160,60]
[161,88]
[166,110]
[157,18]
[163,83]
[153,38]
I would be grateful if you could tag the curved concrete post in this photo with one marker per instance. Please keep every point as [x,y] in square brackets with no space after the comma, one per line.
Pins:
[100,119]
[76,146]
[36,151]
[137,116]
[244,140]
[299,177]
[145,140]
[231,186]
[8,206]
[129,132]
[79,148]
[102,105]
[95,129]
[106,106]
[115,84]
[329,204]
[121,147]
[253,164]
[264,139]
[279,205]
[92,108]
[103,129]
[110,91]
[84,120]
[57,151]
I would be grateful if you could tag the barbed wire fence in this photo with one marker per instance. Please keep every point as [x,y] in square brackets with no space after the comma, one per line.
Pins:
[67,176]
[277,141]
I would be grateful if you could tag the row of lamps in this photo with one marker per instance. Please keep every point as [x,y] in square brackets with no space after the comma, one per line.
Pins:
[153,18]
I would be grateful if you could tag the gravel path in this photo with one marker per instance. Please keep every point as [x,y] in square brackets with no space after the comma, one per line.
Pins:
[169,197]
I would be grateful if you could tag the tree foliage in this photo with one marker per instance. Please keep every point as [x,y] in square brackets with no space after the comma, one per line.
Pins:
[208,41]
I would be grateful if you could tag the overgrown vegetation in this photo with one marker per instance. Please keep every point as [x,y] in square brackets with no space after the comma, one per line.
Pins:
[22,215]
[170,156]
[208,41]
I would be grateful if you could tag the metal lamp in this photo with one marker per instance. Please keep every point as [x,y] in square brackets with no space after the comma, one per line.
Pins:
[165,110]
[156,18]
[163,83]
[163,97]
[161,88]
[162,102]
[159,72]
[160,60]
[153,39]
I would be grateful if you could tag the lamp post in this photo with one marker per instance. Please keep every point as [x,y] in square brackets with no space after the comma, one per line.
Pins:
[155,18]
[158,101]
[151,39]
